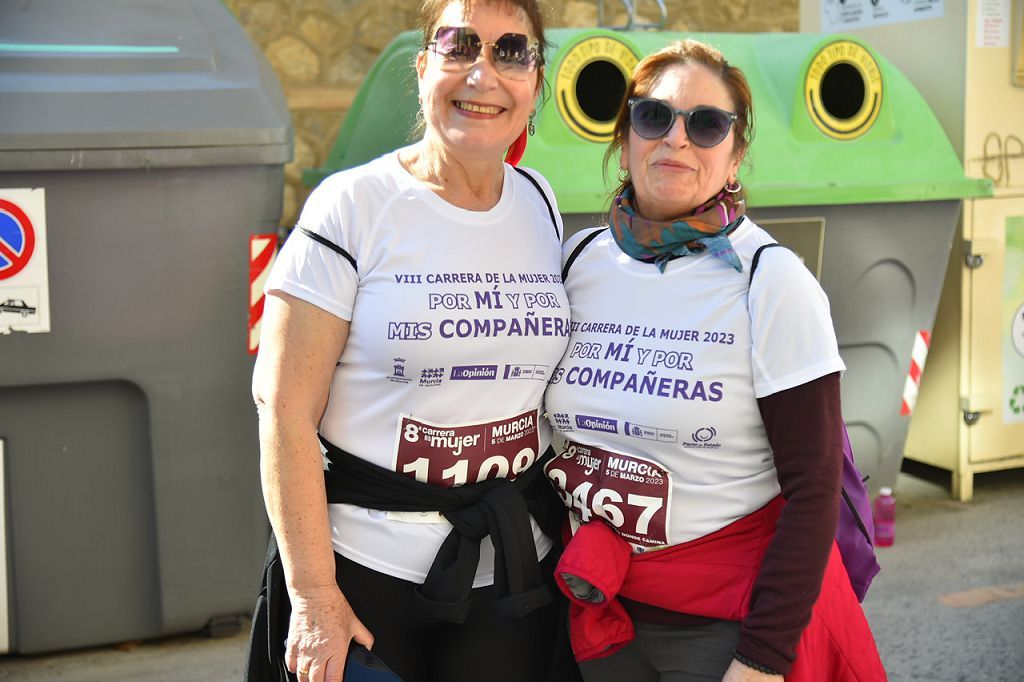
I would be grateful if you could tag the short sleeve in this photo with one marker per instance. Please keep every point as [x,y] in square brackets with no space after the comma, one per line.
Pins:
[793,340]
[313,271]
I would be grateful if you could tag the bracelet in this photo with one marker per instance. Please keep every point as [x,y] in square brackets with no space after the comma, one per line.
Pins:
[751,664]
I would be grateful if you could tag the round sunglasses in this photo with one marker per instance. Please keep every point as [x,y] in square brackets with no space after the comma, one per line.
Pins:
[512,55]
[706,126]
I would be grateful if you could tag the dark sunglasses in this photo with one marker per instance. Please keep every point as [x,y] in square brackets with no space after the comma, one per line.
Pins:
[512,55]
[705,126]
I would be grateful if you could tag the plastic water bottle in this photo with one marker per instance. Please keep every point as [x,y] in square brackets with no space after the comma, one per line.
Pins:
[885,518]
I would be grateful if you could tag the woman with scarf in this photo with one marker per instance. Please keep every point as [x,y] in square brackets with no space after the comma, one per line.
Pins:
[700,412]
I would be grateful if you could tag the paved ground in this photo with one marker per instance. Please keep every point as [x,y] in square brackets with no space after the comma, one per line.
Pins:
[947,607]
[949,603]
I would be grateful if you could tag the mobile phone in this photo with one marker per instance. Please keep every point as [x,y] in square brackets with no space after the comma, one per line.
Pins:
[363,666]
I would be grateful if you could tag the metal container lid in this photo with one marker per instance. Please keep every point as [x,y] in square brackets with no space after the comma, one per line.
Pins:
[135,83]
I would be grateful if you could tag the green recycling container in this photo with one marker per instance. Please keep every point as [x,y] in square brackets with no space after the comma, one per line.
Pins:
[849,167]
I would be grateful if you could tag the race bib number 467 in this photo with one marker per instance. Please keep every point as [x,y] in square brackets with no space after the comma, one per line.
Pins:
[632,493]
[450,455]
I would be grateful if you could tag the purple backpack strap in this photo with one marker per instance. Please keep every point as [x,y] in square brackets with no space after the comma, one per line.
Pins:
[855,529]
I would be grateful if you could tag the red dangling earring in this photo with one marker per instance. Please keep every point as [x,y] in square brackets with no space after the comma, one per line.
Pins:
[516,150]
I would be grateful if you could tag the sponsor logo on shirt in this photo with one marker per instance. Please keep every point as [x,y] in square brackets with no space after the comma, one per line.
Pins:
[651,433]
[432,376]
[557,376]
[704,437]
[561,421]
[536,372]
[604,424]
[398,375]
[474,373]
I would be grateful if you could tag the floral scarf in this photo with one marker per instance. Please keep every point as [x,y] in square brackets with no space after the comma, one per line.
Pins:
[705,228]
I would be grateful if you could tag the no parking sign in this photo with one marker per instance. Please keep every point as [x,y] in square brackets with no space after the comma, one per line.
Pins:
[24,278]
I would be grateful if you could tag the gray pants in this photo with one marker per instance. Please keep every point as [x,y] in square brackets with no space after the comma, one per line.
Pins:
[664,653]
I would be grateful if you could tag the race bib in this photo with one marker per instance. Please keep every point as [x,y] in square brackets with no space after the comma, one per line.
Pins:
[632,493]
[450,455]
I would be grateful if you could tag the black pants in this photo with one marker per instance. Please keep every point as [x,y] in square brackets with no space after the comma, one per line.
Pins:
[421,648]
[667,653]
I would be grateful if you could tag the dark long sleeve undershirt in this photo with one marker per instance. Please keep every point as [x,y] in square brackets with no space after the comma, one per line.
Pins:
[804,427]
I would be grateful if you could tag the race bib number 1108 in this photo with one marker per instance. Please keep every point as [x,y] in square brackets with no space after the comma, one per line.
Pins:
[452,455]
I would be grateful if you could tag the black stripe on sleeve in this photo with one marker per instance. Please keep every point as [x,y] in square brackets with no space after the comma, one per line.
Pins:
[757,257]
[547,202]
[331,245]
[577,251]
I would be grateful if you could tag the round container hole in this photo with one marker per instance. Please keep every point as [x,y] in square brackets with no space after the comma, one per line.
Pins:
[599,90]
[842,91]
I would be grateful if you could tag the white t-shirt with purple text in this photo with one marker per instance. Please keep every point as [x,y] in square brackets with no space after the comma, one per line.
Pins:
[657,392]
[457,320]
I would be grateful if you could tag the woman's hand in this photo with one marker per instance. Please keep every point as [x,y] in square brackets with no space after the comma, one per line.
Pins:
[322,625]
[738,672]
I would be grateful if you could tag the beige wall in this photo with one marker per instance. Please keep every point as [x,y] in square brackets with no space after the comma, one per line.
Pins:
[322,50]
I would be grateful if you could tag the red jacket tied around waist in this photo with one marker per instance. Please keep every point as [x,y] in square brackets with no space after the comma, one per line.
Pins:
[712,576]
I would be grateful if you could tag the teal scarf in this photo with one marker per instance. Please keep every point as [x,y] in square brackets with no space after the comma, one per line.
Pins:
[703,229]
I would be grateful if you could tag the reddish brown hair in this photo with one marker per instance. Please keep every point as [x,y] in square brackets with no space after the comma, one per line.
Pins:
[682,53]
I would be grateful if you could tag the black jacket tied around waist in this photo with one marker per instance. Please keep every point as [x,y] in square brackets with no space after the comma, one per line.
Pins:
[499,508]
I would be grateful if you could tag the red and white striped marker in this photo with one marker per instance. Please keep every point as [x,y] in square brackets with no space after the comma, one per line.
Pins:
[917,357]
[262,249]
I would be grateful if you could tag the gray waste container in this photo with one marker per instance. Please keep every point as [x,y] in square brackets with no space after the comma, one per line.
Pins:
[144,143]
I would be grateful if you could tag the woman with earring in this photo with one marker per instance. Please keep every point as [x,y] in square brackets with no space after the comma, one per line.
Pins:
[700,413]
[400,377]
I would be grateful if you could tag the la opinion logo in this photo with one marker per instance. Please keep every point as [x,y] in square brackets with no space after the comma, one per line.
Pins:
[704,434]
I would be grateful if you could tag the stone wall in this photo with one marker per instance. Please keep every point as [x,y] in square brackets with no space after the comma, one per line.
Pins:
[322,50]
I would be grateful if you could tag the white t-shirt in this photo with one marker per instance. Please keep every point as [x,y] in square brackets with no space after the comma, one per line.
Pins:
[657,392]
[457,320]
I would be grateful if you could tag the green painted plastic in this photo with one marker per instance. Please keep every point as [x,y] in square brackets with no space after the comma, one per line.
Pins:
[383,113]
[904,157]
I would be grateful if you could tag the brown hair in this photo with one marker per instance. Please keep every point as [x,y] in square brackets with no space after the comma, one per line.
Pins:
[431,10]
[681,53]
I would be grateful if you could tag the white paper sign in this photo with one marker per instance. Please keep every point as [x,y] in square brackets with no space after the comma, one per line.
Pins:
[993,23]
[847,15]
[24,276]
